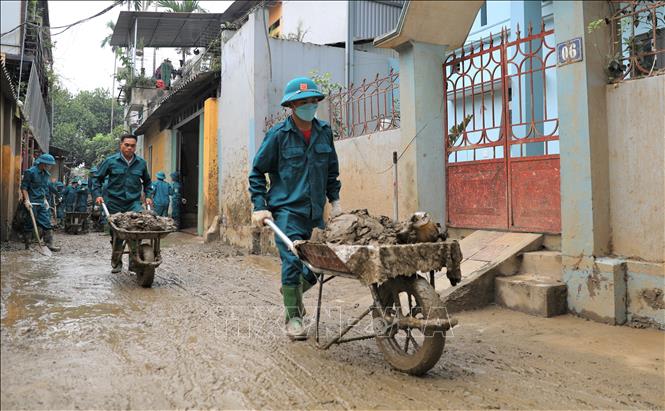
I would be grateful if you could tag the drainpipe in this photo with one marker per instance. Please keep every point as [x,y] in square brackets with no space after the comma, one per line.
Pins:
[350,24]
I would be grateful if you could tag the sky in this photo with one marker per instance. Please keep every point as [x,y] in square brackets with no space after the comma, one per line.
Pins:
[78,59]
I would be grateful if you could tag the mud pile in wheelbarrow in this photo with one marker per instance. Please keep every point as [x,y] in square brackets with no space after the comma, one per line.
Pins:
[132,221]
[376,248]
[358,227]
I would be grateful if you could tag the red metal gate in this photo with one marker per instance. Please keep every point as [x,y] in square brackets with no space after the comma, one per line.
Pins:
[502,142]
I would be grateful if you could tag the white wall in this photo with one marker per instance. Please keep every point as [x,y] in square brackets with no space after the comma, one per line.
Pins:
[10,17]
[325,21]
[636,138]
[253,79]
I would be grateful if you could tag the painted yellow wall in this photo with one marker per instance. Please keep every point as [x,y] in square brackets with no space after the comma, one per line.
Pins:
[10,164]
[209,162]
[161,150]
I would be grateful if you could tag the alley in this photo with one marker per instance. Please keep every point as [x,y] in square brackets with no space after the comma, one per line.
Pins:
[209,335]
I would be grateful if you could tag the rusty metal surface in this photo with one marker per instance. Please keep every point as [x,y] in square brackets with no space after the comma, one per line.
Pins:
[536,205]
[477,195]
[321,256]
[502,152]
[365,108]
[637,39]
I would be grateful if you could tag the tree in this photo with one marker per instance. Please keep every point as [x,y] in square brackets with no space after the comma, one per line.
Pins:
[139,5]
[102,145]
[78,119]
[183,6]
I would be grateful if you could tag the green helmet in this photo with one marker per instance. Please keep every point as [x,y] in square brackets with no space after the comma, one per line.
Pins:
[300,88]
[161,175]
[59,184]
[45,159]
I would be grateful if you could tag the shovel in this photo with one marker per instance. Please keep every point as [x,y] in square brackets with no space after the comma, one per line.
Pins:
[43,249]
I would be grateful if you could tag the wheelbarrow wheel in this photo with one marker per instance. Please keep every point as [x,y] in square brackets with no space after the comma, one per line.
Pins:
[146,274]
[411,350]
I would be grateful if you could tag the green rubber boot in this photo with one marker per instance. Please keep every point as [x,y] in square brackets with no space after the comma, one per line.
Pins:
[306,285]
[292,296]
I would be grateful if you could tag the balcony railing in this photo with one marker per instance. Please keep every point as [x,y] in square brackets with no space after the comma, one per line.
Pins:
[370,107]
[637,39]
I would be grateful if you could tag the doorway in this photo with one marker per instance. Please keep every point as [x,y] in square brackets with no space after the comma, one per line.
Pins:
[188,165]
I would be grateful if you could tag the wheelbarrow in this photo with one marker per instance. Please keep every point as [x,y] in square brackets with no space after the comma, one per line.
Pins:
[144,250]
[409,320]
[75,221]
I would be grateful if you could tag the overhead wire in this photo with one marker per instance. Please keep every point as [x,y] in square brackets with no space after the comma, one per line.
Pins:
[65,27]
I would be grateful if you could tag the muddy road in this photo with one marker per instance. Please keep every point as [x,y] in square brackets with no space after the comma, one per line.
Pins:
[209,335]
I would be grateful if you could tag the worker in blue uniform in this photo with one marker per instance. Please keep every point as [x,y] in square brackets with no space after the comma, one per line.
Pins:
[60,210]
[35,190]
[299,156]
[162,193]
[128,177]
[177,201]
[82,197]
[69,195]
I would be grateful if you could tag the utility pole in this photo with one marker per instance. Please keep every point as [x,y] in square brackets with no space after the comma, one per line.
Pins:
[115,60]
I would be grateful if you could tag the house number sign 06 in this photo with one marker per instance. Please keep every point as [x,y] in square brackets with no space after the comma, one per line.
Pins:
[569,51]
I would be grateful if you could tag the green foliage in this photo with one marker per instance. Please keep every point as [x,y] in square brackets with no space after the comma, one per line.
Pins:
[183,6]
[102,145]
[324,81]
[78,119]
[139,5]
[594,25]
[456,130]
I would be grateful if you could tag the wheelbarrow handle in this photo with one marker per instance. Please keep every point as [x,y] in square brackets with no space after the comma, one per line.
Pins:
[281,235]
[106,210]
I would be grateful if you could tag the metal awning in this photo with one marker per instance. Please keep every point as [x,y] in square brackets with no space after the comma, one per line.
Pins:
[186,93]
[162,29]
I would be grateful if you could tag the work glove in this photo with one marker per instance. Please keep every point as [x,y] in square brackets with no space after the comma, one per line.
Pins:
[259,216]
[184,201]
[27,204]
[336,209]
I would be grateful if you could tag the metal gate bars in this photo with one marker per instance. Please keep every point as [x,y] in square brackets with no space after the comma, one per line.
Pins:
[501,133]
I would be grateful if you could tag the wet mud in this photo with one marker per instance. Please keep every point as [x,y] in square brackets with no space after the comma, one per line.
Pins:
[358,227]
[144,221]
[209,335]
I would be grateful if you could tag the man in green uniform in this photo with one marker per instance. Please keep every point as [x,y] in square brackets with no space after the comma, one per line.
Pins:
[299,156]
[35,189]
[127,177]
[82,197]
[60,211]
[162,192]
[176,198]
[166,70]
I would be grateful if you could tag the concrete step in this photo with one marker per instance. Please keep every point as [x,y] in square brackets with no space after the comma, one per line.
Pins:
[482,252]
[532,294]
[543,263]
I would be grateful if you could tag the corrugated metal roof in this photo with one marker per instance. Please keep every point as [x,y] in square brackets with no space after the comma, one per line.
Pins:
[375,17]
[164,29]
[187,93]
[161,29]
